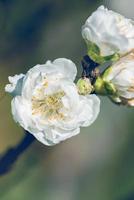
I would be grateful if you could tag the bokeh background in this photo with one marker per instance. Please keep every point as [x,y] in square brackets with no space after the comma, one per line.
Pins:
[98,164]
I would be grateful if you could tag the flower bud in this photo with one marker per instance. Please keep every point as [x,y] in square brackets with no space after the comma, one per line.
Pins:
[119,78]
[108,35]
[84,86]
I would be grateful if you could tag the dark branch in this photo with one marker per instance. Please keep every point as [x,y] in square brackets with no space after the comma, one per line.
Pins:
[11,156]
[88,66]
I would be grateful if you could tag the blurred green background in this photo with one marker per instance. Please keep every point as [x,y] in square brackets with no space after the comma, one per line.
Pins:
[98,164]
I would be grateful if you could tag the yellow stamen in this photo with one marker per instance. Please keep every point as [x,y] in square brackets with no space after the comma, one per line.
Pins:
[49,106]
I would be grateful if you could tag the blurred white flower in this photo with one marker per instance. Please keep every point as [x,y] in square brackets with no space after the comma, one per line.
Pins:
[108,34]
[121,77]
[48,104]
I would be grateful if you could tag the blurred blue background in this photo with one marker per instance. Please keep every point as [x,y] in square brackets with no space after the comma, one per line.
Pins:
[98,164]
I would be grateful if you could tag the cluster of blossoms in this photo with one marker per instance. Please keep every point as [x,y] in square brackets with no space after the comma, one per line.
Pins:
[110,38]
[47,102]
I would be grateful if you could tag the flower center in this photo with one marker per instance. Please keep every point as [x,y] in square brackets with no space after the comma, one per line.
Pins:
[49,106]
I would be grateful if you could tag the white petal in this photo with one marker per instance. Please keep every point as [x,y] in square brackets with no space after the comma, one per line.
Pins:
[40,136]
[67,67]
[85,113]
[71,93]
[15,86]
[126,94]
[56,135]
[59,69]
[21,111]
[90,110]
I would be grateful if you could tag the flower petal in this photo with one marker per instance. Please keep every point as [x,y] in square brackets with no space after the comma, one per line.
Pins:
[89,110]
[21,111]
[15,86]
[67,67]
[60,68]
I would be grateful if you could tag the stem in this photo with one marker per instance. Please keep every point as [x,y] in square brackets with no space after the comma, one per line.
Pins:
[11,156]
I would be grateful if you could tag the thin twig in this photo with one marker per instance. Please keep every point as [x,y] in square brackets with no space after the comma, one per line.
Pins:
[11,156]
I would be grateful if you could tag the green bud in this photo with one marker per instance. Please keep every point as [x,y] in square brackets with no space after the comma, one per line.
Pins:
[106,73]
[95,54]
[99,86]
[110,88]
[84,86]
[103,87]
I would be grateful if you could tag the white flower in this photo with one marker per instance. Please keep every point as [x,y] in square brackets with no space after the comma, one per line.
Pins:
[121,76]
[48,104]
[109,31]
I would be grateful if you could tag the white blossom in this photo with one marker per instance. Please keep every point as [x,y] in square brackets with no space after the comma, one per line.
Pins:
[111,32]
[48,104]
[121,76]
